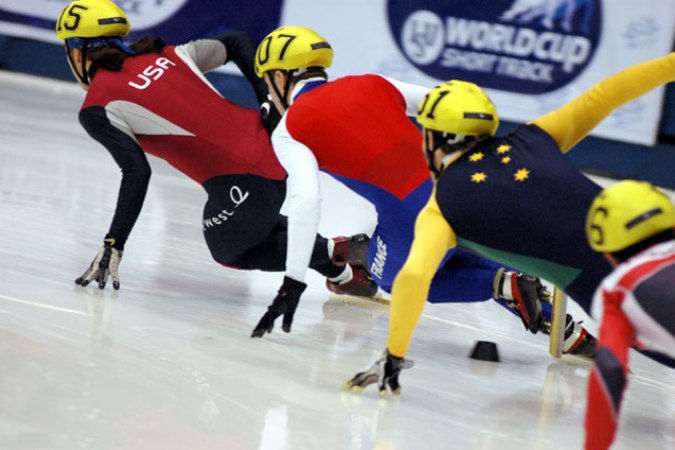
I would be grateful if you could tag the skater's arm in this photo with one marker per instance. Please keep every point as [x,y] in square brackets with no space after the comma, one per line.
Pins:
[236,47]
[433,239]
[128,155]
[303,199]
[134,166]
[574,120]
[412,94]
[608,378]
[206,54]
[241,51]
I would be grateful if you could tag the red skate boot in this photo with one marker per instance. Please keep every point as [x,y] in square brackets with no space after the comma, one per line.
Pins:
[351,250]
[361,284]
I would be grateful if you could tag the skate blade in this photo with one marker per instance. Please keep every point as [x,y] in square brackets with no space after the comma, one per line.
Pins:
[577,360]
[349,386]
[359,300]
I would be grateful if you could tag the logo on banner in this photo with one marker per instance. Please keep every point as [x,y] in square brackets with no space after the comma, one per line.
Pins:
[523,46]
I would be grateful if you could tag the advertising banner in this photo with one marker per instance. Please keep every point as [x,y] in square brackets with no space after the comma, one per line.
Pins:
[531,56]
[176,21]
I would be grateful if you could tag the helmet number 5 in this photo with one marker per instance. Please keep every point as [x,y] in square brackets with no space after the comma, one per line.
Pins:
[73,16]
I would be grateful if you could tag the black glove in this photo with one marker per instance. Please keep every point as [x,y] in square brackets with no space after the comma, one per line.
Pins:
[106,264]
[284,303]
[384,371]
[269,114]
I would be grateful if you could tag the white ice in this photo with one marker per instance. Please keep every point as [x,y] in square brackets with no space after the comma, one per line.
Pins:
[167,362]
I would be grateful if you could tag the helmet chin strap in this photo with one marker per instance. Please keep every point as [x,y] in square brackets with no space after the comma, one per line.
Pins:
[283,97]
[429,152]
[287,89]
[453,145]
[84,77]
[86,44]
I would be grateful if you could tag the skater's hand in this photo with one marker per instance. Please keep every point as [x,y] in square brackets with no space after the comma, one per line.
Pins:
[105,264]
[384,372]
[284,304]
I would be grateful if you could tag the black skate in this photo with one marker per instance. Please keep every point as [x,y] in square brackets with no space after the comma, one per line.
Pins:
[351,250]
[361,284]
[523,294]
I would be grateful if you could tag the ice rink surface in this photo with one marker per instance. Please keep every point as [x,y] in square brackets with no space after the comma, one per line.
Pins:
[167,362]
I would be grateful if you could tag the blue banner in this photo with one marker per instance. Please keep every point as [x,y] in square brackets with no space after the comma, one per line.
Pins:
[530,47]
[177,21]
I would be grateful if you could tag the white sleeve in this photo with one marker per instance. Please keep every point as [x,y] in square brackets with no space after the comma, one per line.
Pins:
[303,199]
[412,93]
[207,54]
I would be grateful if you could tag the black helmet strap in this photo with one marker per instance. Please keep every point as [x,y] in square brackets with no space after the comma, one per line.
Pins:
[429,151]
[448,143]
[282,96]
[84,78]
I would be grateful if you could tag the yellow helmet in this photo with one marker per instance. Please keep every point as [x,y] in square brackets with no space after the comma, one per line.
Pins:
[627,213]
[91,19]
[460,108]
[290,48]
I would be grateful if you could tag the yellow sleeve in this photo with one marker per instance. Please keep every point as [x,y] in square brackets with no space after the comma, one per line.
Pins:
[573,121]
[433,239]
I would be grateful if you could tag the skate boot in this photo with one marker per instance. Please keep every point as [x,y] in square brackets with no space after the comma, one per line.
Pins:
[351,250]
[523,294]
[361,284]
[578,341]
